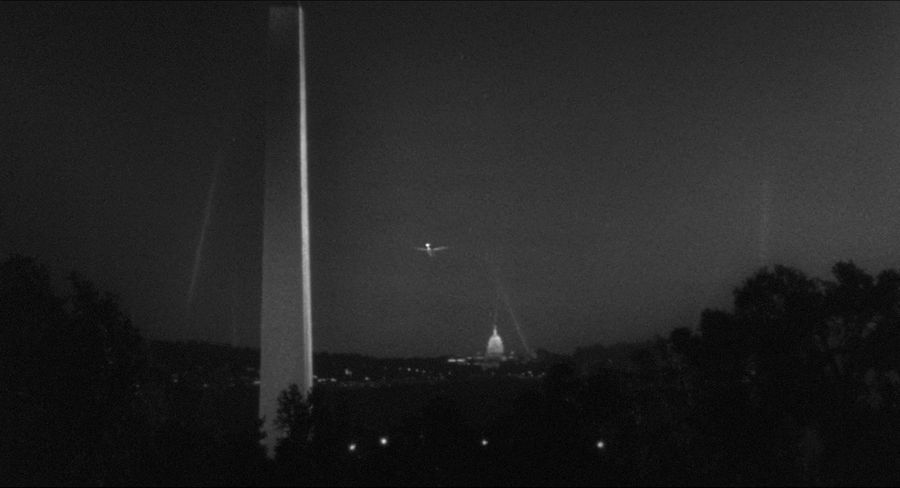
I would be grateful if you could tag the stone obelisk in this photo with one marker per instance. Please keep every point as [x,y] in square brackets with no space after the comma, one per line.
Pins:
[285,313]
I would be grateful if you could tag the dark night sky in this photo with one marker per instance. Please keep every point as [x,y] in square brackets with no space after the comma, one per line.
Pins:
[625,165]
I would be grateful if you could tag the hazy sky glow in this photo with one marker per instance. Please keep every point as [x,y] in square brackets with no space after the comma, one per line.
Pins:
[616,162]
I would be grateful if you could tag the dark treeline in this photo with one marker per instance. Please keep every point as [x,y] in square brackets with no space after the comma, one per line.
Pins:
[797,384]
[83,404]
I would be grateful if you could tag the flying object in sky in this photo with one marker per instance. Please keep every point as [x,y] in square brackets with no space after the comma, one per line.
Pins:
[431,250]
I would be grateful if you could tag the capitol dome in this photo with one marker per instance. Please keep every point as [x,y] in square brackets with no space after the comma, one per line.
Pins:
[495,346]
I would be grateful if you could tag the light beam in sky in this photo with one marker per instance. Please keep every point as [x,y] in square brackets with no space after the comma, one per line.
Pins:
[501,291]
[204,228]
[234,335]
[764,218]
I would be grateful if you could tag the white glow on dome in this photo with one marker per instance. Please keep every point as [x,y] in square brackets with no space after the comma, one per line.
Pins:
[495,345]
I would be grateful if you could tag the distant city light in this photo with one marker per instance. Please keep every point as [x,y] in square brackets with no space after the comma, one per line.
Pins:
[352,447]
[601,444]
[383,441]
[484,442]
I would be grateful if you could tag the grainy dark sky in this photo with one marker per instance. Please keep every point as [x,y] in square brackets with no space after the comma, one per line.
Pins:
[625,165]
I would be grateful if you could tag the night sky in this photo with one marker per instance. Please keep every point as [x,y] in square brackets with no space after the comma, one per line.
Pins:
[620,166]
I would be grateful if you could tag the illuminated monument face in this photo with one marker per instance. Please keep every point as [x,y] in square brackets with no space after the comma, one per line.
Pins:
[286,317]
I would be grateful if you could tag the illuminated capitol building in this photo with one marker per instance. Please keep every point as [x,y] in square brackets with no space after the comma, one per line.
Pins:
[493,355]
[494,347]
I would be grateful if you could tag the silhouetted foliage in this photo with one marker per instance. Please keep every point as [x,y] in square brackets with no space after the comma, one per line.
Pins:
[294,420]
[799,365]
[70,369]
[83,404]
[798,384]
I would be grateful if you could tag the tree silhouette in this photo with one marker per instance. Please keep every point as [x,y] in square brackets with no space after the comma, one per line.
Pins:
[801,382]
[69,371]
[294,420]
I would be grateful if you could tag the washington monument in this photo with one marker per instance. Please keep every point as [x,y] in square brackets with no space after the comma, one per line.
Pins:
[285,313]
